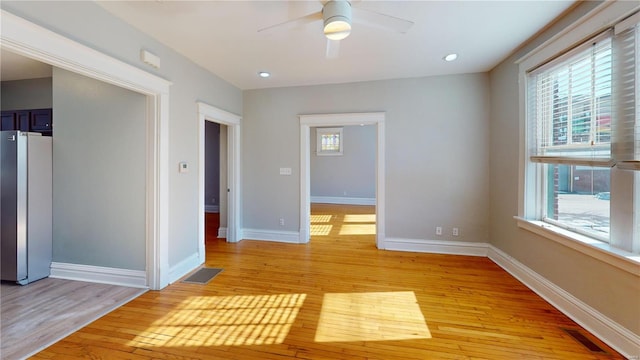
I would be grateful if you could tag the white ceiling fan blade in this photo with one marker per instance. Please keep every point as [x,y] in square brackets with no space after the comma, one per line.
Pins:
[333,49]
[289,24]
[383,21]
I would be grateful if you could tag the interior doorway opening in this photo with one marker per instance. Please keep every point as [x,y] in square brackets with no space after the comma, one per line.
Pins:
[328,120]
[229,174]
[215,173]
[343,183]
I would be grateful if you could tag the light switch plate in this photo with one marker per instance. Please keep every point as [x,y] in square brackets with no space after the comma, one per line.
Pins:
[285,171]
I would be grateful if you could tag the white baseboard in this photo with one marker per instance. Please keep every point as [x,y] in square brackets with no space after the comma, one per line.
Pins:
[343,200]
[99,274]
[437,246]
[619,338]
[270,235]
[212,208]
[222,233]
[184,267]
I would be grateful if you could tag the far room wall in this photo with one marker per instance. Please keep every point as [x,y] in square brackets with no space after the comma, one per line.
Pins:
[350,177]
[436,142]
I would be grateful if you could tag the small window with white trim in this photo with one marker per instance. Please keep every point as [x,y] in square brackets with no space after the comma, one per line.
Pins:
[329,141]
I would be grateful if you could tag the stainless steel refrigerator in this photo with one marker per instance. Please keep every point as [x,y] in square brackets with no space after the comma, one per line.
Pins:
[25,206]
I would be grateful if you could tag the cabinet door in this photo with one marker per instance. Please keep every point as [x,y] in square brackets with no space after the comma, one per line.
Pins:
[8,121]
[41,121]
[22,120]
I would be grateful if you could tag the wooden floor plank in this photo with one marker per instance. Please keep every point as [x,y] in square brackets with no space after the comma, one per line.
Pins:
[271,300]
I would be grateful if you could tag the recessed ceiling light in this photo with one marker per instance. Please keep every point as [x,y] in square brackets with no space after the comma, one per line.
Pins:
[264,74]
[450,57]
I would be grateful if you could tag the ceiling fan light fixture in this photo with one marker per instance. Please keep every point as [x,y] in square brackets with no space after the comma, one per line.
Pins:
[337,19]
[337,30]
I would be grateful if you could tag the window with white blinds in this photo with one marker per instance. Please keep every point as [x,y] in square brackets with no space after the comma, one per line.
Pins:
[571,104]
[582,111]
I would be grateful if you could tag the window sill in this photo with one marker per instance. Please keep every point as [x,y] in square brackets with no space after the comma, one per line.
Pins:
[602,251]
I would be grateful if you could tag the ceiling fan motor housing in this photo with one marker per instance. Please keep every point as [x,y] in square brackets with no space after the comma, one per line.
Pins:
[337,19]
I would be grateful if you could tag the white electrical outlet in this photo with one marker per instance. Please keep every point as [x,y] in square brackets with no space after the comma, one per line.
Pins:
[438,230]
[456,232]
[281,221]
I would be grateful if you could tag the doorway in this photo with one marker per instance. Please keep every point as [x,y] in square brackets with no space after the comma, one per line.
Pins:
[216,175]
[229,199]
[343,183]
[324,120]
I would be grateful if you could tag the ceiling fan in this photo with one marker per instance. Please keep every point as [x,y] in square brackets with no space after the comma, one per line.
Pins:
[337,15]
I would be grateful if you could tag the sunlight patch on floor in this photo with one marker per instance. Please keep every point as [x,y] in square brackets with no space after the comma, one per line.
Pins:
[225,321]
[320,218]
[360,218]
[322,230]
[358,229]
[374,316]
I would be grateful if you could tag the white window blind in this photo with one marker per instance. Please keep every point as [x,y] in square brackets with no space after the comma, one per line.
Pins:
[626,130]
[570,99]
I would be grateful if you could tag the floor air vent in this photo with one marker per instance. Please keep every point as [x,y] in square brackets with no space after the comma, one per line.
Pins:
[579,337]
[202,276]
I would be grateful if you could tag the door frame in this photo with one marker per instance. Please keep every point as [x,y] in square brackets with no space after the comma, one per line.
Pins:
[211,113]
[343,119]
[33,41]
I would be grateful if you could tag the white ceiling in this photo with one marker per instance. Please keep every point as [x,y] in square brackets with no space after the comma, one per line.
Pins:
[223,37]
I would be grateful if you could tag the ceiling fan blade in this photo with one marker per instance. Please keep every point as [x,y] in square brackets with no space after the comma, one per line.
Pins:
[333,49]
[289,24]
[383,21]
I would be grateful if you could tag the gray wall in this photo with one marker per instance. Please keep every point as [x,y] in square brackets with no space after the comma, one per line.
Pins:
[26,94]
[351,175]
[98,173]
[611,291]
[212,163]
[437,142]
[89,24]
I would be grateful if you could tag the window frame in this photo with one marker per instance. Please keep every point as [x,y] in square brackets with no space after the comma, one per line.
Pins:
[585,67]
[320,132]
[531,178]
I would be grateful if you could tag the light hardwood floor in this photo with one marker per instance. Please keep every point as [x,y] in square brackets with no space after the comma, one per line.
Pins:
[38,314]
[335,298]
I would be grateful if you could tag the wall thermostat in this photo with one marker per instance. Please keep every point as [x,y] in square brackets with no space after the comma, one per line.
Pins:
[183,167]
